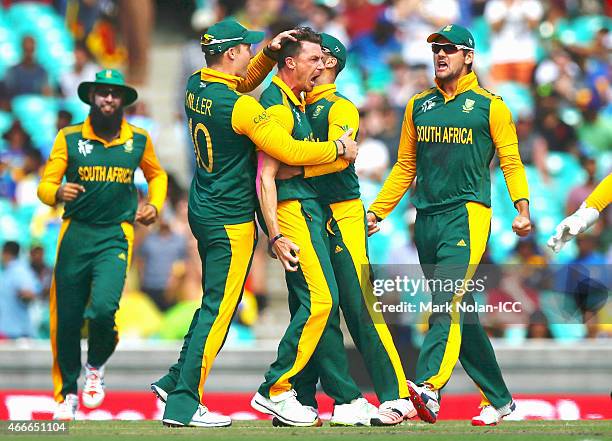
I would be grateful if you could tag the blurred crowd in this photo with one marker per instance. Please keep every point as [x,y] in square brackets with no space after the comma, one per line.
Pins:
[549,59]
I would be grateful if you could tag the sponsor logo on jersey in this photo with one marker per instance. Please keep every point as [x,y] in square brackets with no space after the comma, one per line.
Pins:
[461,243]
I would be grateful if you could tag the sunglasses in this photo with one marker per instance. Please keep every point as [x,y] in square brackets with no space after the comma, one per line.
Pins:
[104,91]
[448,48]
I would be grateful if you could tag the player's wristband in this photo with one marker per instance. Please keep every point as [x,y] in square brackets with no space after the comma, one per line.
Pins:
[269,53]
[343,147]
[274,239]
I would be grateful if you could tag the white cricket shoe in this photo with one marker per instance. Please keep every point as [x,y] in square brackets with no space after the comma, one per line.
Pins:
[426,402]
[161,394]
[287,409]
[202,418]
[93,391]
[393,412]
[66,410]
[358,412]
[490,416]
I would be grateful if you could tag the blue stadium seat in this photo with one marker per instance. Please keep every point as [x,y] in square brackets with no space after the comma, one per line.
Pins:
[38,116]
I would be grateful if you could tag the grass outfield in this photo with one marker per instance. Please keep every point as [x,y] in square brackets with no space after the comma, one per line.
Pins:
[263,430]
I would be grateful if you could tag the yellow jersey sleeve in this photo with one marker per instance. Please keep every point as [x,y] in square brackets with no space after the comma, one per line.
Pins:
[503,133]
[269,135]
[343,115]
[259,68]
[403,172]
[54,170]
[601,197]
[156,177]
[282,115]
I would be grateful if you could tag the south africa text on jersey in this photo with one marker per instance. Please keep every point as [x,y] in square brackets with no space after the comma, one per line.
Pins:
[450,135]
[102,173]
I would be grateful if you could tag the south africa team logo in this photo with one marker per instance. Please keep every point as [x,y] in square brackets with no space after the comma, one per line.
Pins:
[317,111]
[128,147]
[85,147]
[468,106]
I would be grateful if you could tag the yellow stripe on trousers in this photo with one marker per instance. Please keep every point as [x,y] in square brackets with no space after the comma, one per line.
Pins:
[56,374]
[241,238]
[294,227]
[350,221]
[479,222]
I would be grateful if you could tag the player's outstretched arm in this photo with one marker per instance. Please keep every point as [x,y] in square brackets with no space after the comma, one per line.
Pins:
[251,119]
[584,217]
[278,246]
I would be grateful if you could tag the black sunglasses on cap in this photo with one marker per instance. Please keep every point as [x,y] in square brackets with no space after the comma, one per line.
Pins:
[448,48]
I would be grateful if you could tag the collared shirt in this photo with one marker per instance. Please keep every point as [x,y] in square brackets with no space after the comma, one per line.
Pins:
[447,143]
[106,170]
[15,320]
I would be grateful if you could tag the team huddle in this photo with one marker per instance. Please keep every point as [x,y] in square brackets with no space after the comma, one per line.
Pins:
[287,160]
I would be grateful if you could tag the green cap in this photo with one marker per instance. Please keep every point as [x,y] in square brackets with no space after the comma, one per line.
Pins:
[109,77]
[336,48]
[225,34]
[455,34]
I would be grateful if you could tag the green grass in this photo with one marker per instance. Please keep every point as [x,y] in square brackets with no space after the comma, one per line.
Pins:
[263,430]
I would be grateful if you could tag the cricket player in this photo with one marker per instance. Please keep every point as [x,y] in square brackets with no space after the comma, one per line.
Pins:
[296,223]
[225,127]
[449,136]
[585,217]
[98,158]
[329,113]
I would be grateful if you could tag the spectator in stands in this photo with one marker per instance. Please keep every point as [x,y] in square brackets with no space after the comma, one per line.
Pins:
[513,43]
[579,193]
[374,49]
[323,19]
[13,157]
[415,20]
[407,81]
[27,178]
[84,69]
[537,328]
[559,136]
[158,256]
[41,269]
[532,145]
[19,288]
[64,119]
[27,77]
[360,17]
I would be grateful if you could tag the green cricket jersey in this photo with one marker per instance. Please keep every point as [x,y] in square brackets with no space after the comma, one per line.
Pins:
[448,143]
[331,114]
[105,170]
[223,186]
[280,102]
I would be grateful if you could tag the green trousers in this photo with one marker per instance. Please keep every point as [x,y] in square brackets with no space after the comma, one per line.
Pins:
[450,246]
[313,304]
[347,228]
[226,252]
[88,279]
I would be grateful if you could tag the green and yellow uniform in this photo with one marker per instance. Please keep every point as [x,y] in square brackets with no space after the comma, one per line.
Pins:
[447,143]
[225,126]
[330,115]
[95,242]
[313,293]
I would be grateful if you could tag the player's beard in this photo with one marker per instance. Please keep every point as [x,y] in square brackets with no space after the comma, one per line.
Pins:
[105,124]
